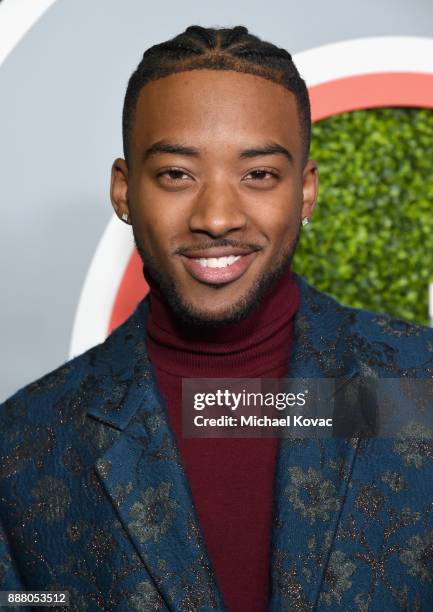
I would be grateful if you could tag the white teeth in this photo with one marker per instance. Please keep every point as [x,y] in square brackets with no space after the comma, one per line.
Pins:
[218,262]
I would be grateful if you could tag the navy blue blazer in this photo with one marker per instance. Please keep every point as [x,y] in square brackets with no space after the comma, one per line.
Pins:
[94,499]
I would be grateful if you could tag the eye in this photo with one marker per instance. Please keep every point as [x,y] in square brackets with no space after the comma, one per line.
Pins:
[261,175]
[173,175]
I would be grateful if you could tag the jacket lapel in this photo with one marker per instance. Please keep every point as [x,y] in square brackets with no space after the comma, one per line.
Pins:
[142,474]
[312,476]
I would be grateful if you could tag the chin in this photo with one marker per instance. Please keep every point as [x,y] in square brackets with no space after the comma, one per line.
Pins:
[198,316]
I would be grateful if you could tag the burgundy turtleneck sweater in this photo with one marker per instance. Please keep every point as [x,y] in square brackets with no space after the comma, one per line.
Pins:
[231,479]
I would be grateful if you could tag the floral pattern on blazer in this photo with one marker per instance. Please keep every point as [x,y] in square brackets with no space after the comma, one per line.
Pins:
[94,499]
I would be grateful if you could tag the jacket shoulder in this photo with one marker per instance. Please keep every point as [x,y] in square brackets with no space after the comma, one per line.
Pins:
[81,375]
[381,325]
[373,325]
[389,345]
[401,348]
[34,402]
[404,348]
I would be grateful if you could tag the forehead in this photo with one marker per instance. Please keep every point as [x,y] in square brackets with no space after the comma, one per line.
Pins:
[216,107]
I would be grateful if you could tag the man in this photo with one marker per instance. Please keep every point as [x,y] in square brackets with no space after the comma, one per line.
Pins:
[102,495]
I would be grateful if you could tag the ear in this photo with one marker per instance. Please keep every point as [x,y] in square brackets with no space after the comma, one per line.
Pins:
[310,188]
[119,190]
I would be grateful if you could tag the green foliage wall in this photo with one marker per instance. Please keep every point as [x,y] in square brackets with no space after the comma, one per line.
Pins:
[370,243]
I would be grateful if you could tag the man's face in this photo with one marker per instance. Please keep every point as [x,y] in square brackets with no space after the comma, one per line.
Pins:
[216,189]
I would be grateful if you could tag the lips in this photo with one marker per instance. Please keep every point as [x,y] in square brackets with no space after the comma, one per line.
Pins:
[218,265]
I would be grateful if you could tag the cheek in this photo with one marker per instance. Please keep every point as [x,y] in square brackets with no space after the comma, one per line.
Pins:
[151,233]
[279,220]
[159,206]
[284,232]
[158,230]
[151,225]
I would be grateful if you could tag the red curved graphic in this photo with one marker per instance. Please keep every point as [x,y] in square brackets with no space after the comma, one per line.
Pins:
[132,289]
[331,98]
[371,91]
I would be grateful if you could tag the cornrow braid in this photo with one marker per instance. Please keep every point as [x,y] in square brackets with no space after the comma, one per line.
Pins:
[203,35]
[262,53]
[234,36]
[217,49]
[176,47]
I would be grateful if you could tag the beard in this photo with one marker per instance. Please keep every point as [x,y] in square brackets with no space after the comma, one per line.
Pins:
[193,317]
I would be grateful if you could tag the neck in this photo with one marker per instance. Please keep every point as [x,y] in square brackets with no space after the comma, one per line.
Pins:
[254,346]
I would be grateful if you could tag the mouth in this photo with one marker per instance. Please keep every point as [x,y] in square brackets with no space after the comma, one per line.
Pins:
[218,265]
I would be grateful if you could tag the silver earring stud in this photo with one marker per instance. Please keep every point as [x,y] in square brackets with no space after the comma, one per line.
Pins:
[125,217]
[305,221]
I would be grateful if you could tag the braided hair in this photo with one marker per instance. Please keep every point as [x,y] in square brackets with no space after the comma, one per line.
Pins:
[217,49]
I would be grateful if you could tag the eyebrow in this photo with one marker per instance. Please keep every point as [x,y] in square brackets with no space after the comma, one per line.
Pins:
[163,146]
[268,149]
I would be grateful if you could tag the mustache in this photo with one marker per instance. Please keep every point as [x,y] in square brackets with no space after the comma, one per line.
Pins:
[220,242]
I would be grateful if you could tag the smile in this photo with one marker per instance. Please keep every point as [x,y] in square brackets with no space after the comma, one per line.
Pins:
[218,270]
[218,262]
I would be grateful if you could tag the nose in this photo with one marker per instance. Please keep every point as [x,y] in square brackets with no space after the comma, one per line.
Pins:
[217,210]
